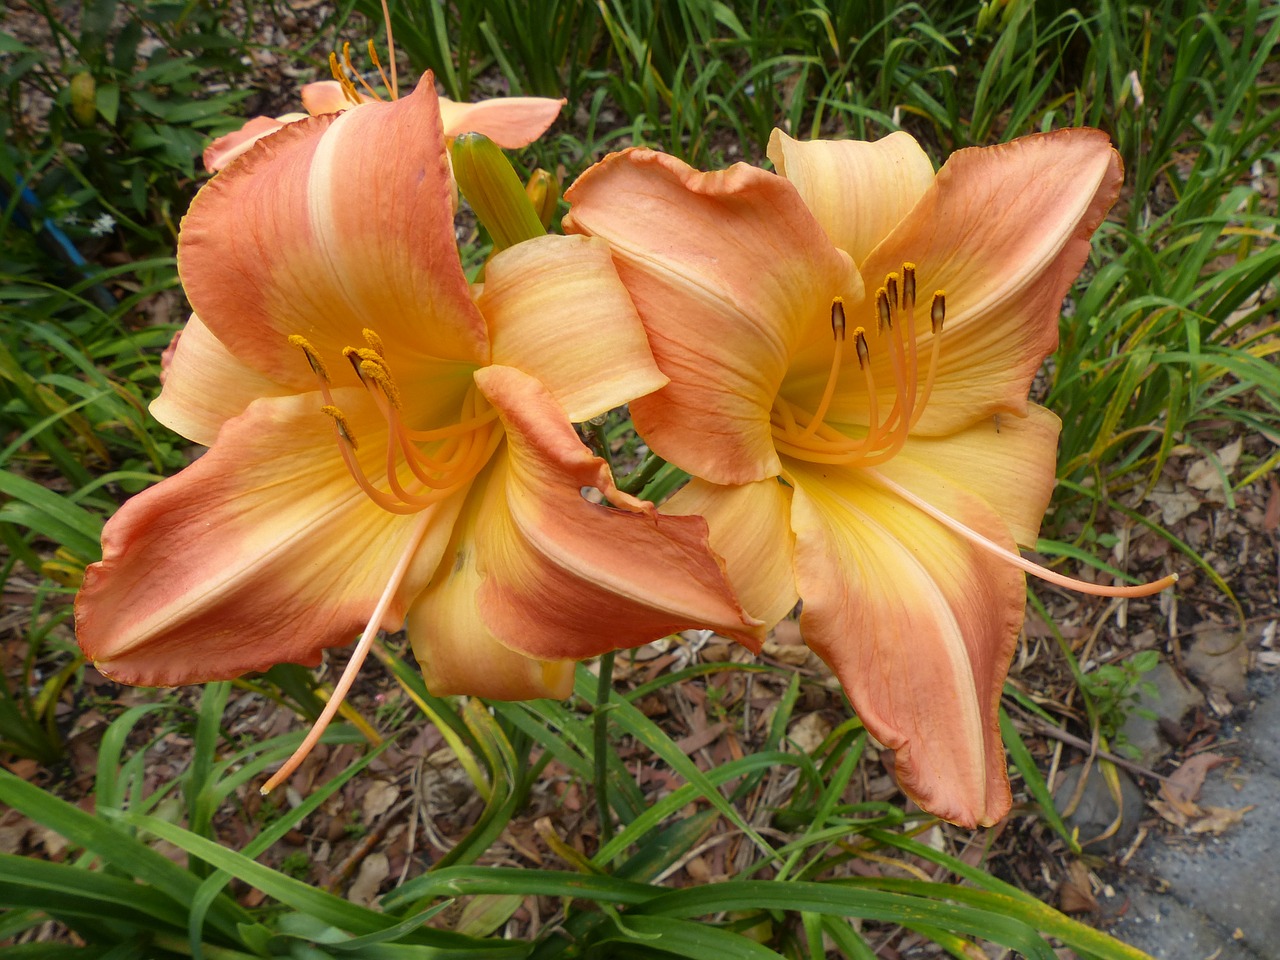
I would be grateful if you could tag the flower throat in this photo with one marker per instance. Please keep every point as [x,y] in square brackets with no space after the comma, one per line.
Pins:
[806,436]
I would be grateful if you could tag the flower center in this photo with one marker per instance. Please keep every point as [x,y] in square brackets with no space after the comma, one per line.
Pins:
[806,436]
[423,467]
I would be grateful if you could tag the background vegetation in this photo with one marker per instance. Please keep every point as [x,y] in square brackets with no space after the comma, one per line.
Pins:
[1168,346]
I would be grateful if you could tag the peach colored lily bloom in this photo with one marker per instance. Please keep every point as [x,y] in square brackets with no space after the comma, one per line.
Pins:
[797,318]
[510,122]
[388,442]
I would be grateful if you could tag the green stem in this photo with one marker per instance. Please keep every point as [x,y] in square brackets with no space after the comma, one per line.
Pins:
[638,479]
[600,720]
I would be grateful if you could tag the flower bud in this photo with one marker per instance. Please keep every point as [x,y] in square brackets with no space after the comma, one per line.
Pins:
[490,184]
[84,103]
[543,190]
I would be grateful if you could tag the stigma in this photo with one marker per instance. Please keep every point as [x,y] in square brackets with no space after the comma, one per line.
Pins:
[419,467]
[805,434]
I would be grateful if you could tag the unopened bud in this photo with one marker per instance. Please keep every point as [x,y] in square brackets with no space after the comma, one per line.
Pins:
[543,190]
[84,99]
[490,184]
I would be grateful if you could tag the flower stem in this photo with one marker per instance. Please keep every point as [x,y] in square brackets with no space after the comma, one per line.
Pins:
[600,720]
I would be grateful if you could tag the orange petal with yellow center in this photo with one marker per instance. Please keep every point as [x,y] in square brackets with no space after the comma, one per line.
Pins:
[510,122]
[730,273]
[919,627]
[750,528]
[565,578]
[263,551]
[335,224]
[859,190]
[557,310]
[205,385]
[1004,230]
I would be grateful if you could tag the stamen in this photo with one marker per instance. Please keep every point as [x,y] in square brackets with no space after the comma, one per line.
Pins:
[891,289]
[348,88]
[313,358]
[938,311]
[391,51]
[908,284]
[377,372]
[346,59]
[837,333]
[374,341]
[937,314]
[343,686]
[341,424]
[884,314]
[373,55]
[1017,560]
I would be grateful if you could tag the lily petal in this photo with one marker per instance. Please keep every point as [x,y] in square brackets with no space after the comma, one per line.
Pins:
[326,96]
[557,311]
[456,651]
[858,190]
[332,226]
[918,626]
[1009,462]
[263,551]
[205,385]
[566,578]
[227,147]
[750,529]
[1004,230]
[510,122]
[730,272]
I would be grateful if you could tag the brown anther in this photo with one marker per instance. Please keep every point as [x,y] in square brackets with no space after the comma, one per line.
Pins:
[837,317]
[884,313]
[372,339]
[313,358]
[891,289]
[938,311]
[908,285]
[864,352]
[340,422]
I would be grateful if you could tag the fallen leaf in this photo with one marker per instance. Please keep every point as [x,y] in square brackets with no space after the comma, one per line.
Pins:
[1183,786]
[378,799]
[1207,475]
[373,870]
[1075,895]
[1271,519]
[1218,820]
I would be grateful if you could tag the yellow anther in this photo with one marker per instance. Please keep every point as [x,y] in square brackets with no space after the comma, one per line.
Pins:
[313,358]
[864,352]
[908,285]
[340,421]
[377,371]
[938,311]
[348,88]
[837,317]
[891,289]
[372,339]
[884,314]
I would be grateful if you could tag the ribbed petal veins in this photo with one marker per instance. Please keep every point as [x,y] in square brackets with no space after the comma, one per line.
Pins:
[730,273]
[919,627]
[263,551]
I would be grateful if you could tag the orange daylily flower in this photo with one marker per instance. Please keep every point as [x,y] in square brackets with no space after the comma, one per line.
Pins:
[796,316]
[387,442]
[510,122]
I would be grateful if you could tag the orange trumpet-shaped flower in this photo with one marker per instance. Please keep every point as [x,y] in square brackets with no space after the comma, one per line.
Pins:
[866,332]
[388,442]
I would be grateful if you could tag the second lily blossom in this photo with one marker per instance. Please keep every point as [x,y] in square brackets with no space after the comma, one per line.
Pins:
[850,343]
